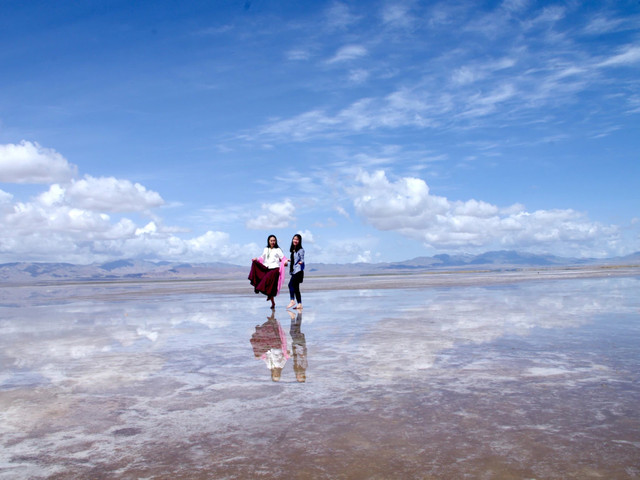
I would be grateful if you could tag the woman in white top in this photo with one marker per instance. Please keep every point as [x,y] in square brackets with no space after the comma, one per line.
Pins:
[267,271]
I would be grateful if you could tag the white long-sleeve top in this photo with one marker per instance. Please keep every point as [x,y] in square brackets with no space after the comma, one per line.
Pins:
[271,257]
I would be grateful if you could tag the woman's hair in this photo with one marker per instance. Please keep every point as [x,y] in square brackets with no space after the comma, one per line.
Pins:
[269,237]
[295,248]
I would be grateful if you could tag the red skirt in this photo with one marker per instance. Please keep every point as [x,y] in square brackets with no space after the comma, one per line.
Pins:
[263,279]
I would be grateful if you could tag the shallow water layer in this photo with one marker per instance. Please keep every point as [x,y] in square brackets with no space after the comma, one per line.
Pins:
[527,380]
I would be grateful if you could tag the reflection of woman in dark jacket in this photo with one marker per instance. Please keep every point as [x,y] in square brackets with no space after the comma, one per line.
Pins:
[296,270]
[298,347]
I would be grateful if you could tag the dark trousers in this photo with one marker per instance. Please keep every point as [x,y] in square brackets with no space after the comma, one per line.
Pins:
[294,286]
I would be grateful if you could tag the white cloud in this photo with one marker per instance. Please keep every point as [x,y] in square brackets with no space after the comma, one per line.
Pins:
[481,104]
[112,195]
[471,73]
[340,17]
[465,75]
[530,66]
[358,76]
[347,53]
[29,162]
[515,5]
[71,220]
[401,108]
[53,196]
[629,56]
[299,127]
[600,25]
[298,54]
[275,215]
[549,15]
[342,211]
[5,197]
[49,231]
[307,236]
[211,244]
[407,207]
[345,250]
[397,206]
[44,218]
[149,228]
[397,15]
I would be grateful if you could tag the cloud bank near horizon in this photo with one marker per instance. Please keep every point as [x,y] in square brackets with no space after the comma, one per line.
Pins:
[96,219]
[406,206]
[74,221]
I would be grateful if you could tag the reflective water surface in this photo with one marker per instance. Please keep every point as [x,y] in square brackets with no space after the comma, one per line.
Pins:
[528,380]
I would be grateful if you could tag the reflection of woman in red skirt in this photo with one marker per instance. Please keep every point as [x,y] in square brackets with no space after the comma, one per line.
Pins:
[269,343]
[267,271]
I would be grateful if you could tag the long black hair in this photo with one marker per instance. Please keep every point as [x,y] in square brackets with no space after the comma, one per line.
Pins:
[269,237]
[295,248]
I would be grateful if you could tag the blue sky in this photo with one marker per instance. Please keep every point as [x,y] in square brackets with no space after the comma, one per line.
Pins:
[381,131]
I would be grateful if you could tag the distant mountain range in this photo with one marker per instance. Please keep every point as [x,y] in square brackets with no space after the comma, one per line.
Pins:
[34,272]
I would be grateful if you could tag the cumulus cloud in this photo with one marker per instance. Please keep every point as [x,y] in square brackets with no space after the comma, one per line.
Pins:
[72,220]
[46,215]
[81,220]
[5,197]
[408,207]
[307,236]
[81,208]
[29,162]
[112,195]
[346,249]
[48,228]
[275,215]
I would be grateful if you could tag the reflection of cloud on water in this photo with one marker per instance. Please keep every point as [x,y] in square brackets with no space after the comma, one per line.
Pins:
[98,337]
[401,346]
[119,384]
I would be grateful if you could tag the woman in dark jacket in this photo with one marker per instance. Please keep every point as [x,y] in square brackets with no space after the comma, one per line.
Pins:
[296,270]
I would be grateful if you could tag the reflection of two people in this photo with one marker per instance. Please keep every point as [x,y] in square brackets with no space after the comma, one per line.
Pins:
[269,343]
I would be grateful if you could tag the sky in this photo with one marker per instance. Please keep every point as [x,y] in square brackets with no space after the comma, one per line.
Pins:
[379,130]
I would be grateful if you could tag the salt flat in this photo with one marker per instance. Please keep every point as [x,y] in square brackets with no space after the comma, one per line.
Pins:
[530,374]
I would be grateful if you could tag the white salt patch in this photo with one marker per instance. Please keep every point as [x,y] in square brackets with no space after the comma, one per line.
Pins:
[545,371]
